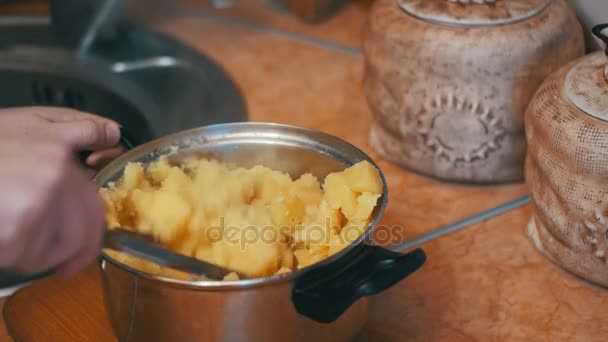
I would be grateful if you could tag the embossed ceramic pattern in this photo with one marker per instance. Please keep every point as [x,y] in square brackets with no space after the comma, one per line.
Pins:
[585,87]
[471,2]
[470,13]
[567,168]
[448,101]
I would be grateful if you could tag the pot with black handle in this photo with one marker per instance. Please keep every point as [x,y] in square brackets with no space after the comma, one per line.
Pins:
[327,301]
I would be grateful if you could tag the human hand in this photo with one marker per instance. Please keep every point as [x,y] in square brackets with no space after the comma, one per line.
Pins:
[82,131]
[50,212]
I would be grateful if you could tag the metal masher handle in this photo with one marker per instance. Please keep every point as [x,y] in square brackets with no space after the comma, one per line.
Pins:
[457,226]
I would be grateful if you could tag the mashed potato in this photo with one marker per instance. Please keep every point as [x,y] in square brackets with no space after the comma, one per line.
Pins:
[256,221]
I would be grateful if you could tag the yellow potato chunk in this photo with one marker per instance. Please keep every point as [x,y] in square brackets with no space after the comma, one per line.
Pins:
[328,217]
[286,213]
[339,195]
[288,260]
[256,221]
[189,241]
[308,190]
[310,235]
[161,213]
[271,184]
[307,181]
[283,270]
[353,230]
[363,177]
[321,250]
[366,202]
[255,258]
[337,243]
[112,212]
[158,171]
[177,182]
[231,276]
[133,176]
[348,235]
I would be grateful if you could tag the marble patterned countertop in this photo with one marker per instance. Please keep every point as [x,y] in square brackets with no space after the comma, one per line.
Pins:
[485,283]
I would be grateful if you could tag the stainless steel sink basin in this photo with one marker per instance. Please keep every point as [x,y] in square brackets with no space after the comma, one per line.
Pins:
[148,81]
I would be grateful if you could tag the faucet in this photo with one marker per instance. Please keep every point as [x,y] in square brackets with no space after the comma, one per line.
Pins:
[76,24]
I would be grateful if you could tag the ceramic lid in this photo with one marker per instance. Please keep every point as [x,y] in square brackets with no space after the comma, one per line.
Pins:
[586,84]
[473,12]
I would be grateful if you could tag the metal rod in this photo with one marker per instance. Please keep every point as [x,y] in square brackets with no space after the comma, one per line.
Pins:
[454,227]
[249,25]
[100,19]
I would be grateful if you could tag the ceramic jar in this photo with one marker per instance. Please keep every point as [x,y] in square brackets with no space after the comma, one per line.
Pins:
[567,166]
[448,81]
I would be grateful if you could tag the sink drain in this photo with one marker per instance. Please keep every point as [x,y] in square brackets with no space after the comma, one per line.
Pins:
[149,82]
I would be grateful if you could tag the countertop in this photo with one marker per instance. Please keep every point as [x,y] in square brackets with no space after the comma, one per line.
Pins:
[485,283]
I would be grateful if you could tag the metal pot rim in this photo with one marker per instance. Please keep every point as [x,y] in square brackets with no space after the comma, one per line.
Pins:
[295,131]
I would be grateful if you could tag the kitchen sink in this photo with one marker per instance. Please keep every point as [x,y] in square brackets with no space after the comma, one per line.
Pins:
[148,81]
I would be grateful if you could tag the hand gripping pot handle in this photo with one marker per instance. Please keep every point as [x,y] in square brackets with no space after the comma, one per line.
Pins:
[125,140]
[10,280]
[325,293]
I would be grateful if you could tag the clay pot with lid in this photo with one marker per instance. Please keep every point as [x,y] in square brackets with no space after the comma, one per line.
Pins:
[567,166]
[448,81]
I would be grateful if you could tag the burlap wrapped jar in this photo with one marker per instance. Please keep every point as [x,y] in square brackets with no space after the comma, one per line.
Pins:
[567,166]
[449,82]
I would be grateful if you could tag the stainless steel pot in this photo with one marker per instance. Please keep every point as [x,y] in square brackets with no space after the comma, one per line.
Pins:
[327,301]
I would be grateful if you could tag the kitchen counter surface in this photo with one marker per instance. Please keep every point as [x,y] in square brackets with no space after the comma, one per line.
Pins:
[485,283]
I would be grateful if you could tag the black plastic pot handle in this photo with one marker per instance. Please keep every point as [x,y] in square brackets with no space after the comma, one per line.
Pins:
[325,293]
[597,31]
[12,278]
[125,140]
